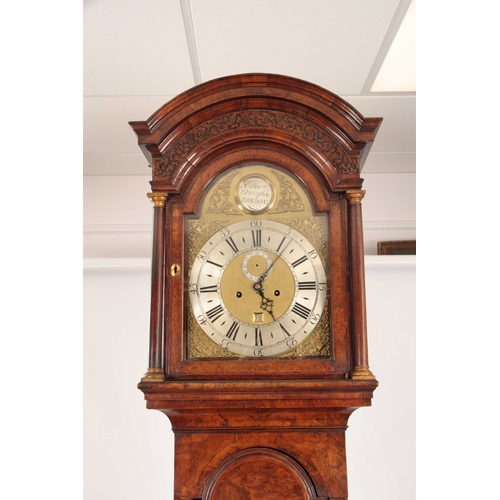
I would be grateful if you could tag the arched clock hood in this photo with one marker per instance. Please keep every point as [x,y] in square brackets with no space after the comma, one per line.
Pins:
[291,114]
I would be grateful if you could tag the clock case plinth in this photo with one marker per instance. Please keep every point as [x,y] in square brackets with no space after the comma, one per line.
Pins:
[233,419]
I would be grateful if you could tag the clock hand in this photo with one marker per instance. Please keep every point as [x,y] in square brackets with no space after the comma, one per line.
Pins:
[266,304]
[264,275]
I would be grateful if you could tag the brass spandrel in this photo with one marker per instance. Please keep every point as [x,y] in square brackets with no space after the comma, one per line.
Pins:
[221,200]
[289,200]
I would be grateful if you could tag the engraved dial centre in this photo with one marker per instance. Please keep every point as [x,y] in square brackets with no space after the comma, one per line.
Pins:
[247,299]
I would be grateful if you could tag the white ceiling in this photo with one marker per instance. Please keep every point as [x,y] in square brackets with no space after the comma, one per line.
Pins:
[138,54]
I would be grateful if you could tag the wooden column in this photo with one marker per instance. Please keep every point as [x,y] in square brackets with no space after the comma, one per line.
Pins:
[361,369]
[155,370]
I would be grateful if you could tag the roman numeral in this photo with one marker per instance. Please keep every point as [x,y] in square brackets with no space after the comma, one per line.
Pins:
[258,337]
[301,310]
[307,285]
[231,243]
[233,331]
[215,313]
[208,289]
[257,237]
[284,330]
[299,261]
[214,263]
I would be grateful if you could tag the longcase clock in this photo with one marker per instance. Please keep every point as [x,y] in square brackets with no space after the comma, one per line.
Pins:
[258,339]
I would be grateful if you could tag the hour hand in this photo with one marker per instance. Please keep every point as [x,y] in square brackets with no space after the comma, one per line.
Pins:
[266,304]
[259,289]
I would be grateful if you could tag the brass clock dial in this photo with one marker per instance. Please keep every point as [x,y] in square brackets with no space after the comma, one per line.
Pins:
[258,288]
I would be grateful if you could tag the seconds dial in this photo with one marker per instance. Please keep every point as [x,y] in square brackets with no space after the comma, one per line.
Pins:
[258,288]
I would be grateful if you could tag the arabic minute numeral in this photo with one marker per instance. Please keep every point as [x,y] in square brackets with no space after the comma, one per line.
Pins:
[225,344]
[314,319]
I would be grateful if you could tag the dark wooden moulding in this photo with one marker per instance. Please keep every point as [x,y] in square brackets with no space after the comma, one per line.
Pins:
[258,428]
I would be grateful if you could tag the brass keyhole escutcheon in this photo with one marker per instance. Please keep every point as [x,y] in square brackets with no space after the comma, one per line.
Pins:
[175,270]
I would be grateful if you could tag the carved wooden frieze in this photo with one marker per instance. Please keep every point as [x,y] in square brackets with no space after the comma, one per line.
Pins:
[176,155]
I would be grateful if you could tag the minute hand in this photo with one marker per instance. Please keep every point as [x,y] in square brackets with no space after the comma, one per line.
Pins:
[264,276]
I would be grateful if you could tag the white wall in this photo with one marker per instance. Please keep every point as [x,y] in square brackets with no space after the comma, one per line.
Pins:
[381,440]
[389,208]
[128,450]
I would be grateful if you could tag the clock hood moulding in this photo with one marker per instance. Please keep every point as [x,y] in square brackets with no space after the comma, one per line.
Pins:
[259,109]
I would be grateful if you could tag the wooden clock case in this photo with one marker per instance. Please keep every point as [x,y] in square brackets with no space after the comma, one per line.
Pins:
[258,428]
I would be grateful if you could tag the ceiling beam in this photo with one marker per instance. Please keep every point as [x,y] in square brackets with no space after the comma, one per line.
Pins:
[396,22]
[187,17]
